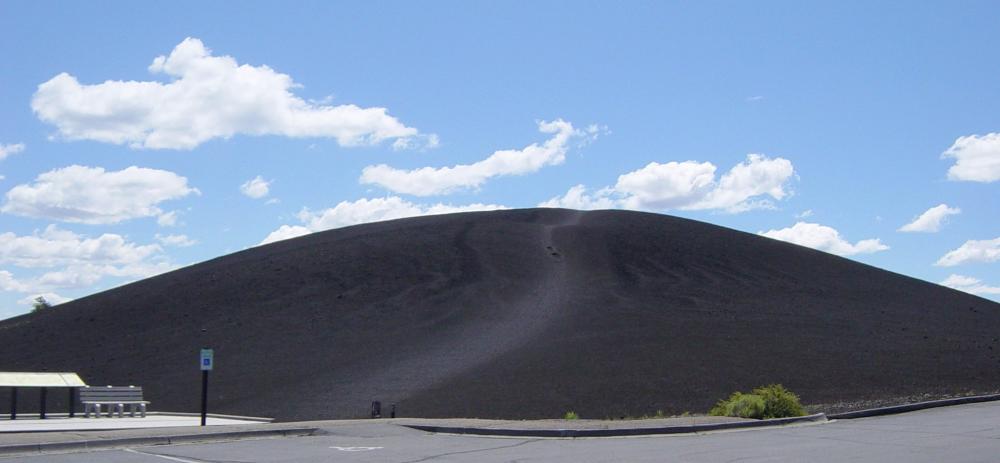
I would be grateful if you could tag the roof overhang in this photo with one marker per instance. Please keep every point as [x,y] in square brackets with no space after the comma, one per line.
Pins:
[21,379]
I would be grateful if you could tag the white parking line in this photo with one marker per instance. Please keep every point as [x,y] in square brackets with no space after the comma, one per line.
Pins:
[355,449]
[165,457]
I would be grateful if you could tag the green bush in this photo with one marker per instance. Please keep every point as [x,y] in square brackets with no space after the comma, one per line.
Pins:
[40,304]
[779,402]
[571,415]
[773,401]
[740,405]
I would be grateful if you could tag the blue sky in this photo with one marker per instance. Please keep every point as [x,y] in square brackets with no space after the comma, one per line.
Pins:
[140,137]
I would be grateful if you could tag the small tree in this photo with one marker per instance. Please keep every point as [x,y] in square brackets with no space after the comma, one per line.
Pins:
[40,304]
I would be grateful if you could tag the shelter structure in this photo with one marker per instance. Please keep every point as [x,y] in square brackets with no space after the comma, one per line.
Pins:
[44,381]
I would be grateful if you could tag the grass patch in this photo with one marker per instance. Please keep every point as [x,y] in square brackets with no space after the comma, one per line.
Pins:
[571,415]
[772,401]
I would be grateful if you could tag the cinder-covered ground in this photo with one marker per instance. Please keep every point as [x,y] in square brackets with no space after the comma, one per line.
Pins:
[516,314]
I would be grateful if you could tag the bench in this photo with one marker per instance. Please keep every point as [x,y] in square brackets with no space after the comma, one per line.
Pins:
[115,397]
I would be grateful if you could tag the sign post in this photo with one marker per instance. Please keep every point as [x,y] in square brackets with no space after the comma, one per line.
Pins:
[206,362]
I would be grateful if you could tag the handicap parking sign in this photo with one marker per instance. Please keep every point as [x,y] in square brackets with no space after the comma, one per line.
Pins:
[206,359]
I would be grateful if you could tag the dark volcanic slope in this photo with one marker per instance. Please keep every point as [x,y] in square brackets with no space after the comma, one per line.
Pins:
[525,313]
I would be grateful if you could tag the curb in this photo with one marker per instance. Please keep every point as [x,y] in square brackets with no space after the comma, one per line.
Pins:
[913,407]
[104,444]
[819,417]
[214,415]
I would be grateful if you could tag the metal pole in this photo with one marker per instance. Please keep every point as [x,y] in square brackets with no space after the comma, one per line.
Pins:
[13,403]
[41,406]
[204,396]
[72,402]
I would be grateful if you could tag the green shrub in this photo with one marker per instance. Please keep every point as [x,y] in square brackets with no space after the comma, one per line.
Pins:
[40,304]
[571,415]
[772,401]
[740,405]
[779,402]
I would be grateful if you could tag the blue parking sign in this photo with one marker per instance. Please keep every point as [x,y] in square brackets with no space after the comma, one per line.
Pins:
[207,360]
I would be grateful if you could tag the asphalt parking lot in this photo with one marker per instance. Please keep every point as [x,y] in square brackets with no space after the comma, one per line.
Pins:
[965,433]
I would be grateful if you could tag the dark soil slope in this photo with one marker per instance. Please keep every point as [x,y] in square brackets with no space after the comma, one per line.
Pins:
[517,314]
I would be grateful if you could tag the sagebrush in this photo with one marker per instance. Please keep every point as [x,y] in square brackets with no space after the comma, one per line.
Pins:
[772,401]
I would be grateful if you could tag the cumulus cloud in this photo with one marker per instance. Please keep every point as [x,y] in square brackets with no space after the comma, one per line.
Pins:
[977,158]
[69,260]
[824,238]
[9,283]
[7,150]
[972,251]
[666,186]
[55,246]
[256,187]
[92,195]
[578,198]
[931,220]
[285,232]
[969,284]
[177,241]
[366,210]
[427,181]
[206,97]
[689,185]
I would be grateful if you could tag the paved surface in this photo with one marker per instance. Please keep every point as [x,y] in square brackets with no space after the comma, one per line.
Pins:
[966,433]
[88,424]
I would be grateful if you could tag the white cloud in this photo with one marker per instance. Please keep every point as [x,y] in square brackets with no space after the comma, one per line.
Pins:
[207,97]
[931,220]
[977,158]
[69,260]
[757,176]
[824,238]
[366,210]
[427,181]
[378,209]
[178,241]
[577,198]
[666,186]
[91,195]
[285,232]
[969,284]
[85,274]
[804,214]
[9,283]
[256,187]
[7,150]
[689,185]
[167,219]
[972,251]
[54,246]
[592,133]
[421,141]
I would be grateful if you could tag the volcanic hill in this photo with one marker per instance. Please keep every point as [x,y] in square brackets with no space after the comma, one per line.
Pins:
[516,314]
